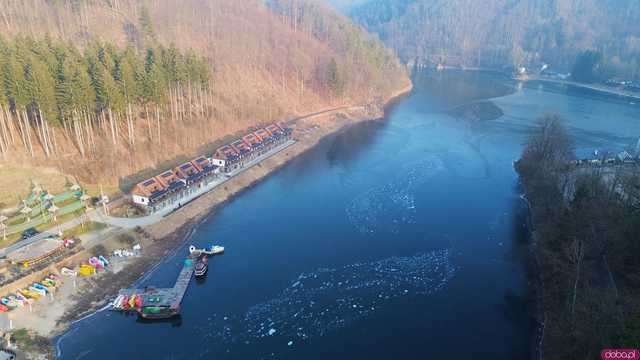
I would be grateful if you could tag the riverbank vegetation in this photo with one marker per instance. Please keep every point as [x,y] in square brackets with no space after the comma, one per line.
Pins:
[106,89]
[587,222]
[31,344]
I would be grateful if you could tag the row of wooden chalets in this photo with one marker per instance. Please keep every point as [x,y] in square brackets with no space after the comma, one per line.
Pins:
[252,145]
[169,187]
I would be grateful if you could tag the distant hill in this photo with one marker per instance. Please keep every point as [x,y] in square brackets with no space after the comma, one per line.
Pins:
[507,33]
[262,62]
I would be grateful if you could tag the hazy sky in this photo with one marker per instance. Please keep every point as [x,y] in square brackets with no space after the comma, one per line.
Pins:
[344,5]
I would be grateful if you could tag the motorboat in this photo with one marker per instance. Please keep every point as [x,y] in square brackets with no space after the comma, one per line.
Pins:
[201,266]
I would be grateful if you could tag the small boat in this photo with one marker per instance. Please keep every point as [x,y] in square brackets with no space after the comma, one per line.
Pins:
[201,266]
[68,272]
[125,303]
[12,298]
[96,263]
[35,290]
[132,301]
[49,288]
[87,270]
[50,285]
[21,298]
[104,260]
[213,250]
[116,304]
[216,249]
[10,302]
[41,287]
[29,294]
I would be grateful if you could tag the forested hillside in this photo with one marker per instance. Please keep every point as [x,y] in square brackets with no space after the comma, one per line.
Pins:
[507,33]
[585,247]
[104,88]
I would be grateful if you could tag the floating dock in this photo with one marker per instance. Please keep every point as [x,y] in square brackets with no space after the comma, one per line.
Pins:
[158,303]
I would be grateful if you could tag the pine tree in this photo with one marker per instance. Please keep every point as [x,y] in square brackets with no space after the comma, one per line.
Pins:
[154,80]
[46,83]
[129,75]
[334,82]
[62,86]
[146,25]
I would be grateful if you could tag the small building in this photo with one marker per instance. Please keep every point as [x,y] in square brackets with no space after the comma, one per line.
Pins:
[218,163]
[279,132]
[252,140]
[227,153]
[171,182]
[275,130]
[189,172]
[263,135]
[207,166]
[241,147]
[148,192]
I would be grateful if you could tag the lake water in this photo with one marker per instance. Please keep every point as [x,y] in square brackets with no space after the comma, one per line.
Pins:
[403,238]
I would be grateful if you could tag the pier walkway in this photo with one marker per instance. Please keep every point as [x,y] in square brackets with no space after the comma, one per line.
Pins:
[182,283]
[164,301]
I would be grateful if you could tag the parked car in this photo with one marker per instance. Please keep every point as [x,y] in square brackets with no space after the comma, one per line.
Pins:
[30,232]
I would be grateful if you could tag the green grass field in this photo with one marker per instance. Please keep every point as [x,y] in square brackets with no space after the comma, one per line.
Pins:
[16,183]
[88,227]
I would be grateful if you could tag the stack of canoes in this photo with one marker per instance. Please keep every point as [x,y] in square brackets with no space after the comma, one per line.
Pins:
[125,302]
[33,292]
[99,262]
[94,263]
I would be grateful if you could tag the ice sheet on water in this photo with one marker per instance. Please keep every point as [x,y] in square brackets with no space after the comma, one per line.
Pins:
[328,299]
[325,300]
[391,206]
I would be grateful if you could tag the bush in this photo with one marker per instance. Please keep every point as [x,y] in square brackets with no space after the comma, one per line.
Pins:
[98,250]
[126,238]
[31,342]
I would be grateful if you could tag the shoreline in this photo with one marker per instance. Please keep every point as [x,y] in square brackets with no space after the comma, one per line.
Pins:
[162,239]
[601,88]
[594,87]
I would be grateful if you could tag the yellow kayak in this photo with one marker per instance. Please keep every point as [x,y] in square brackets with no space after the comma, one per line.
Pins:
[29,294]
